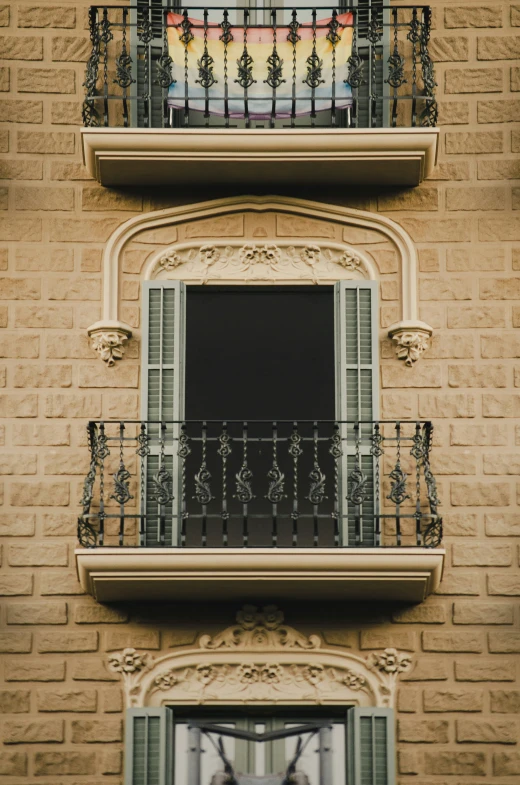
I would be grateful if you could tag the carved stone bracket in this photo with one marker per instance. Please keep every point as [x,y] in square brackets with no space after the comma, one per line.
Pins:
[260,659]
[107,339]
[411,340]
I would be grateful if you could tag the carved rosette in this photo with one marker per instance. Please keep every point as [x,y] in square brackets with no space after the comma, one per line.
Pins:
[260,659]
[108,338]
[411,340]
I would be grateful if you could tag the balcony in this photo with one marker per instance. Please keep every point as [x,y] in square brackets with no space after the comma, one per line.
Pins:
[335,95]
[298,509]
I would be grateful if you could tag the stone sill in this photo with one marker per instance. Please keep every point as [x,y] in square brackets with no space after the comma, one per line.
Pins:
[392,574]
[366,156]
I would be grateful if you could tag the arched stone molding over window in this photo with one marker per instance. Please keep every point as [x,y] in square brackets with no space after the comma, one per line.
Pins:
[260,659]
[292,241]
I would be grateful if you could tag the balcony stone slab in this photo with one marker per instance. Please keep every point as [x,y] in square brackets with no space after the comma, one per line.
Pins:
[242,157]
[402,574]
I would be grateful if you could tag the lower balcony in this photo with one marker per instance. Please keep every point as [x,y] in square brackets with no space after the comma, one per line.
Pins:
[270,509]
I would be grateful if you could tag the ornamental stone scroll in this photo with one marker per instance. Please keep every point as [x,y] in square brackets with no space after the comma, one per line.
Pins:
[260,659]
[268,258]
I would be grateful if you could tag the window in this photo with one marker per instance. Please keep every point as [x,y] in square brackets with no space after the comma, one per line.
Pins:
[264,354]
[242,746]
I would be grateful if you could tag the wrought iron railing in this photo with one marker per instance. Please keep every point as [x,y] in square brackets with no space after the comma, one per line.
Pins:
[329,66]
[260,484]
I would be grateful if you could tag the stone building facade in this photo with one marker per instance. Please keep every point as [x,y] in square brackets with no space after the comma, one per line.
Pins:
[62,704]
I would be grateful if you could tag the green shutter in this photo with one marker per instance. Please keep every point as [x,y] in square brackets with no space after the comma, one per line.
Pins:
[163,350]
[357,395]
[371,746]
[149,746]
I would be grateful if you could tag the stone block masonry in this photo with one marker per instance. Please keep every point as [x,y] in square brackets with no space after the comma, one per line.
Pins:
[61,708]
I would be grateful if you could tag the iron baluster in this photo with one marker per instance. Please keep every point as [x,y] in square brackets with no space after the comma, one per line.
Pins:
[226,38]
[245,71]
[433,533]
[102,453]
[275,494]
[224,451]
[164,70]
[143,451]
[357,482]
[395,68]
[314,70]
[336,450]
[205,65]
[105,37]
[333,38]
[398,493]
[430,112]
[317,489]
[376,451]
[295,451]
[417,452]
[202,484]
[145,35]
[183,451]
[124,70]
[354,73]
[293,38]
[414,36]
[374,35]
[244,491]
[86,534]
[162,487]
[89,111]
[274,70]
[121,486]
[186,37]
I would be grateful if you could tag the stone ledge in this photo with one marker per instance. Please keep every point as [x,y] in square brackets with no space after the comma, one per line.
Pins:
[394,574]
[368,156]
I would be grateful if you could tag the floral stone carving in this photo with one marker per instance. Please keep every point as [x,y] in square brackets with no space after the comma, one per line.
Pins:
[235,260]
[411,340]
[107,339]
[260,659]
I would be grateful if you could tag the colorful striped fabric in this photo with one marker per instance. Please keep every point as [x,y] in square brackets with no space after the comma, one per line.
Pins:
[260,47]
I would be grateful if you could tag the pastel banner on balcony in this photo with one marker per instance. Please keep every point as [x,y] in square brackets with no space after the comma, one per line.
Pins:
[293,69]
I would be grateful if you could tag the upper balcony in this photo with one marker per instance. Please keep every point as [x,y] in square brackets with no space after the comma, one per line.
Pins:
[330,95]
[298,509]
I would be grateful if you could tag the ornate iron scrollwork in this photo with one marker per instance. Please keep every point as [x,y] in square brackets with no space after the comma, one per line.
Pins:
[375,30]
[245,70]
[433,534]
[275,494]
[317,489]
[275,70]
[202,486]
[398,493]
[244,491]
[124,70]
[121,489]
[206,76]
[87,535]
[314,71]
[186,36]
[294,26]
[164,70]
[89,113]
[357,486]
[355,71]
[333,36]
[396,70]
[162,486]
[225,26]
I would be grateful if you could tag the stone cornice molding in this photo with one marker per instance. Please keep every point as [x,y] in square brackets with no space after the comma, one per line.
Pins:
[260,660]
[346,216]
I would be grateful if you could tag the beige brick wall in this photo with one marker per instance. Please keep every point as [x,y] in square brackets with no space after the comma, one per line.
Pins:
[61,709]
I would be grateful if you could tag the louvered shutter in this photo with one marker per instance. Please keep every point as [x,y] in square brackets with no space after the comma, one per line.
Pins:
[357,395]
[146,79]
[371,746]
[374,72]
[149,746]
[163,349]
